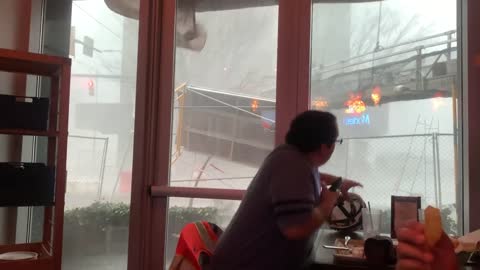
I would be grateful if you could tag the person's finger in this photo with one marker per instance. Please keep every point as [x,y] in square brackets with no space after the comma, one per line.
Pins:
[328,195]
[332,194]
[444,252]
[344,190]
[408,235]
[408,264]
[355,184]
[323,185]
[415,226]
[352,183]
[445,243]
[406,251]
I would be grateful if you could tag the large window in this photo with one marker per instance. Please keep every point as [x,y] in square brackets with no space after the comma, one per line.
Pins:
[389,74]
[224,99]
[387,69]
[104,52]
[232,76]
[223,105]
[103,47]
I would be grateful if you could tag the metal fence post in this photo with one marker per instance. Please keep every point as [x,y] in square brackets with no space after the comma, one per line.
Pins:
[434,148]
[439,179]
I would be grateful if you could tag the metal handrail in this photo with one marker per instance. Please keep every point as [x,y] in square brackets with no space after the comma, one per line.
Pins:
[422,47]
[451,32]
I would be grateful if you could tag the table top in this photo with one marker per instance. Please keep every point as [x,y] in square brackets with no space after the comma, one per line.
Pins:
[324,259]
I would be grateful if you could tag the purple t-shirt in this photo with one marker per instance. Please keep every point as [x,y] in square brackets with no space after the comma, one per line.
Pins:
[283,193]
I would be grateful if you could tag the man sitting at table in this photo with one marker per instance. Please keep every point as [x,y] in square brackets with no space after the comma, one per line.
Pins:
[286,202]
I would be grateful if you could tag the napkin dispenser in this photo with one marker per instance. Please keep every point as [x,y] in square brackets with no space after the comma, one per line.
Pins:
[379,250]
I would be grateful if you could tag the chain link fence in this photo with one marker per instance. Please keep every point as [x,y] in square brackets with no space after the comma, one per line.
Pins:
[422,165]
[86,165]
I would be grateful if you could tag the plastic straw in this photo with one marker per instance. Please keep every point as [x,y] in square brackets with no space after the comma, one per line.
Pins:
[370,212]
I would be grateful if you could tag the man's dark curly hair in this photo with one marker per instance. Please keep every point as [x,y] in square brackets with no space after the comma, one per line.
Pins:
[310,129]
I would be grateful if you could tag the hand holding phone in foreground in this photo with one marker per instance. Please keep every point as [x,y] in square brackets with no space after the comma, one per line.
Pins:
[413,254]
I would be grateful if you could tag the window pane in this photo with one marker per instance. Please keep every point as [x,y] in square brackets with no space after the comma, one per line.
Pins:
[224,101]
[184,210]
[388,72]
[104,57]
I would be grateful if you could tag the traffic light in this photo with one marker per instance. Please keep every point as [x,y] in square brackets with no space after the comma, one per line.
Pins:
[91,87]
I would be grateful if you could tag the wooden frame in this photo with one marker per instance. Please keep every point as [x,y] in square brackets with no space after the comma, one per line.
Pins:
[58,69]
[293,58]
[152,144]
[151,190]
[471,69]
[201,193]
[396,201]
[461,174]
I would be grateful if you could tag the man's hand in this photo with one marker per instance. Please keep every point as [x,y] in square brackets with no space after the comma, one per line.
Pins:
[328,200]
[412,253]
[347,185]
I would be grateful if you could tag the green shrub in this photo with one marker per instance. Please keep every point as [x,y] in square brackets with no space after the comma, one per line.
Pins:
[97,216]
[86,226]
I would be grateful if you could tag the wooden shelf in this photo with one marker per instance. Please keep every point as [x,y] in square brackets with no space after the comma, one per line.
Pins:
[30,63]
[44,261]
[33,247]
[58,70]
[25,132]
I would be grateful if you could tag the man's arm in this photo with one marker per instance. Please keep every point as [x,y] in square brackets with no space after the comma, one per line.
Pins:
[319,215]
[328,179]
[292,189]
[347,184]
[302,231]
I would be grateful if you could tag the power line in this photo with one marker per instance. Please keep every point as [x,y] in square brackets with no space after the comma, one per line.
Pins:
[99,22]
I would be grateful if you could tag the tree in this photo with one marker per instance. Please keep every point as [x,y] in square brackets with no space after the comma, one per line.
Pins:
[394,28]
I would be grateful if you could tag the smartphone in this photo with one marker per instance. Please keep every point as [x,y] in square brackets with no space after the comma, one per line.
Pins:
[336,185]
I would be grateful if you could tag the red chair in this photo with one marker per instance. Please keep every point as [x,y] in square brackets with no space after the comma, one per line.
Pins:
[195,246]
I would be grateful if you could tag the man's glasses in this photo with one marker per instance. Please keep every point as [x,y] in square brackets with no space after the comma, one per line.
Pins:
[339,141]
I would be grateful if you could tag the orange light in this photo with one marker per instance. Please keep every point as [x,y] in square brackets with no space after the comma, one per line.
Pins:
[355,105]
[437,101]
[376,95]
[319,104]
[254,105]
